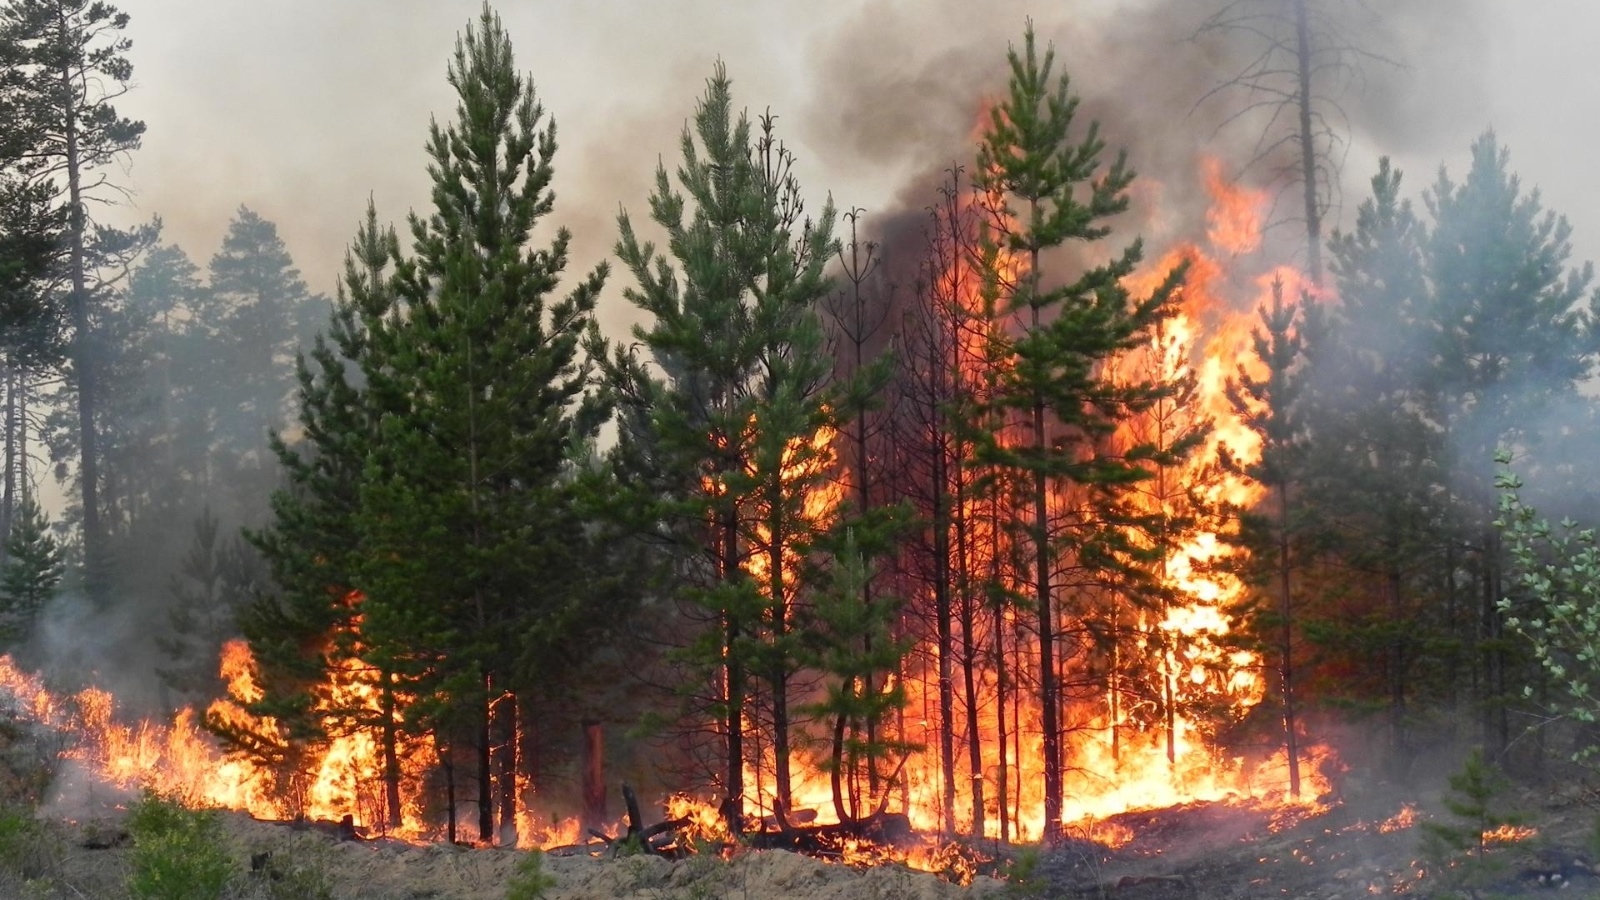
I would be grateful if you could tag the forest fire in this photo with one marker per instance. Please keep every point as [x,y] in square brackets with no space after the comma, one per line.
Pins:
[1142,716]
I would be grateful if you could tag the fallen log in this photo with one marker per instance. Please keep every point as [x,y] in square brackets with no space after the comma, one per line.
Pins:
[639,836]
[882,828]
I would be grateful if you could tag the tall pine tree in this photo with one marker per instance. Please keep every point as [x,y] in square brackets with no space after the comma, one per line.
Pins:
[1050,188]
[732,434]
[469,491]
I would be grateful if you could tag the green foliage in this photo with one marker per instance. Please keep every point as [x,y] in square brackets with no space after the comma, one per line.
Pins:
[212,584]
[178,853]
[719,427]
[1557,567]
[1458,852]
[31,573]
[26,848]
[1046,186]
[1021,874]
[529,880]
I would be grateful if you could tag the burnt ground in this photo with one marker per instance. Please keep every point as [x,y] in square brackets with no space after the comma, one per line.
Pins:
[1359,848]
[1197,851]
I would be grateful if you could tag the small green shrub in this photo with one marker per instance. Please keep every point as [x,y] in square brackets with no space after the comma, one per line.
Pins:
[1021,874]
[25,848]
[177,852]
[529,880]
[1458,853]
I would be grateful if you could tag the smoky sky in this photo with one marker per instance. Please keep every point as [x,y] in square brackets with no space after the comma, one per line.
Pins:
[301,110]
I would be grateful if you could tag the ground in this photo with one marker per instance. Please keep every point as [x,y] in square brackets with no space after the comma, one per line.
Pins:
[1199,851]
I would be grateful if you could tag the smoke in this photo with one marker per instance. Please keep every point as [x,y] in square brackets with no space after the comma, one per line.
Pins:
[902,91]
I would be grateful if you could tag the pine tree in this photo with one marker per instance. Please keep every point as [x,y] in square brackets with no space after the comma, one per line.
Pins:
[304,628]
[468,491]
[30,318]
[214,581]
[1050,189]
[1269,402]
[1375,472]
[251,320]
[732,428]
[1511,338]
[70,65]
[30,575]
[1458,851]
[853,643]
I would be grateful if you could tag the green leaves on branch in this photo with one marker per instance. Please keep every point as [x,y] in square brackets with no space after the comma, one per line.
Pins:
[1557,570]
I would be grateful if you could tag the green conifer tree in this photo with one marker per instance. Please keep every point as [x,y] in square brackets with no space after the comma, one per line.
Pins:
[32,572]
[68,59]
[729,433]
[468,490]
[1049,188]
[1271,405]
[1511,337]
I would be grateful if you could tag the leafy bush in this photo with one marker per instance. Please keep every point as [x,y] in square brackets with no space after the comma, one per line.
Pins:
[1558,568]
[177,852]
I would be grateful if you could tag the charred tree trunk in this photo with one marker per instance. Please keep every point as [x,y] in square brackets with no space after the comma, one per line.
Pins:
[1308,157]
[391,755]
[447,761]
[1291,740]
[733,681]
[1043,594]
[507,768]
[946,648]
[778,598]
[969,660]
[594,779]
[485,741]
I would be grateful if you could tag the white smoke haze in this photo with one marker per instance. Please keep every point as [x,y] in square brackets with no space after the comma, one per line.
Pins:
[301,110]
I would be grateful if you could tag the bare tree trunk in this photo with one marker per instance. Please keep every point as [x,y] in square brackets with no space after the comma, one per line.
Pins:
[83,364]
[485,764]
[594,778]
[391,756]
[507,718]
[9,504]
[1308,159]
[1291,740]
[969,662]
[1043,599]
[733,681]
[942,613]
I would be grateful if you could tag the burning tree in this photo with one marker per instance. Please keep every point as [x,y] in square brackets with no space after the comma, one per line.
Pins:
[729,426]
[1056,400]
[430,553]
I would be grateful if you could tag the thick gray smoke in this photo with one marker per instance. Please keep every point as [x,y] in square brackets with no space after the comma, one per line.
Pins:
[898,85]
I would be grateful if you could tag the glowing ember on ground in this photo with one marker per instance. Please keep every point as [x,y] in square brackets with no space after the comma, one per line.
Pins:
[1405,818]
